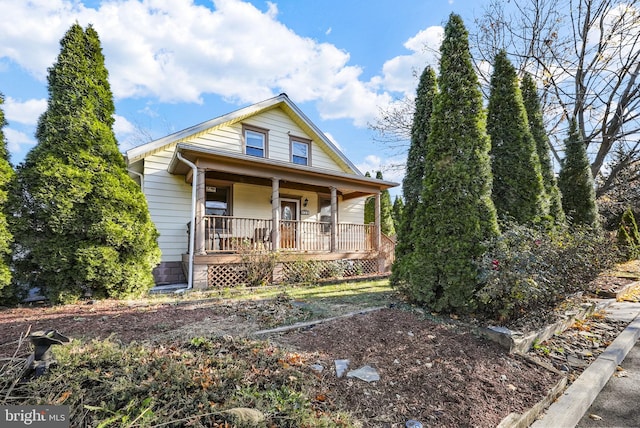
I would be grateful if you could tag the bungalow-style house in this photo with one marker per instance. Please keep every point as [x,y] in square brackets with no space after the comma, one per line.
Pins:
[262,178]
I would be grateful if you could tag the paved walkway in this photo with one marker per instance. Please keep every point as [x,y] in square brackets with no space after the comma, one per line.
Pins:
[617,403]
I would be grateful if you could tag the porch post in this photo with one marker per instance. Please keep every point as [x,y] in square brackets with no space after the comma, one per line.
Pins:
[275,213]
[334,219]
[377,229]
[199,243]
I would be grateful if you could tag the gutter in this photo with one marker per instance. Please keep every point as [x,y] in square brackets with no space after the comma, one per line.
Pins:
[192,227]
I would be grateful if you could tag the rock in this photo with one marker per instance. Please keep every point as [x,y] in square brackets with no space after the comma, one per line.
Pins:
[366,373]
[245,414]
[341,367]
[317,367]
[574,361]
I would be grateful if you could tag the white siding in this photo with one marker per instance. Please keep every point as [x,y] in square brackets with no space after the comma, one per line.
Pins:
[169,199]
[251,201]
[351,211]
[280,126]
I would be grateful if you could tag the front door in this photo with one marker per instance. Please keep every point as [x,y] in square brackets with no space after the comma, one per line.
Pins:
[289,225]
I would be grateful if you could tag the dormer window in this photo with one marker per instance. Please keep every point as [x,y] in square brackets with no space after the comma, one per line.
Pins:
[300,151]
[255,141]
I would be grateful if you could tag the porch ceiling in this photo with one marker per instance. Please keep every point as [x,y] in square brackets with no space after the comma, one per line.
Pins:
[239,167]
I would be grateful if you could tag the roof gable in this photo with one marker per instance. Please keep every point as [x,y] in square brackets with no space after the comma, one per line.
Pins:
[281,101]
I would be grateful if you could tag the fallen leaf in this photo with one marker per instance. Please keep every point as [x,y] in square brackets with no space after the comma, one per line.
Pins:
[63,397]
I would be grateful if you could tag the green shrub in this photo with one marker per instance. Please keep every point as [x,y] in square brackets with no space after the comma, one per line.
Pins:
[628,236]
[526,269]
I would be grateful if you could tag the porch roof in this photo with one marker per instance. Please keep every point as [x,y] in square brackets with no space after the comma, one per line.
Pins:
[349,185]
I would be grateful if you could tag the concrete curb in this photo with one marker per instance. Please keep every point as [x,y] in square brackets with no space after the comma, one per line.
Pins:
[576,400]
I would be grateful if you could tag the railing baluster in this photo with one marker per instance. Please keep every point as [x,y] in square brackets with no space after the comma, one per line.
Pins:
[224,233]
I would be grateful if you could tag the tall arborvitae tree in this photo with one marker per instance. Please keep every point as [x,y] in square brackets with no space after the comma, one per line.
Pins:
[369,207]
[456,214]
[536,126]
[82,224]
[576,182]
[386,208]
[412,183]
[6,177]
[396,213]
[518,191]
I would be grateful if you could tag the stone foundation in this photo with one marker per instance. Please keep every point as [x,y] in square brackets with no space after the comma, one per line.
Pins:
[169,273]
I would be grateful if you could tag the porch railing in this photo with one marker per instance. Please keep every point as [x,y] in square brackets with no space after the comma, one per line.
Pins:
[230,234]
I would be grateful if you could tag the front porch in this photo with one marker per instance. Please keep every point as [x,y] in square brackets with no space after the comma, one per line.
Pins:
[244,205]
[228,235]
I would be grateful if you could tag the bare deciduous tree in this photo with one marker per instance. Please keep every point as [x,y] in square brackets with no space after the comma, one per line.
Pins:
[585,55]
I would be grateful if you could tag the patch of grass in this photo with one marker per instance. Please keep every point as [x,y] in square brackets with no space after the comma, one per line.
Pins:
[192,383]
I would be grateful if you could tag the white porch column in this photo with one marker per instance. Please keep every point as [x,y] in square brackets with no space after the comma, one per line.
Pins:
[201,195]
[275,213]
[377,233]
[334,219]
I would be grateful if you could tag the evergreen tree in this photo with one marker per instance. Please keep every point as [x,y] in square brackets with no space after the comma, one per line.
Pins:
[396,212]
[576,183]
[518,191]
[369,207]
[6,177]
[386,209]
[628,235]
[456,214]
[412,183]
[81,222]
[536,126]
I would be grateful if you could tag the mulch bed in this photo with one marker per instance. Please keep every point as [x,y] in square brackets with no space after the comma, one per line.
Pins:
[438,374]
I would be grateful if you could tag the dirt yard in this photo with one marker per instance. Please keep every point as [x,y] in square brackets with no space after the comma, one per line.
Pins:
[430,372]
[434,372]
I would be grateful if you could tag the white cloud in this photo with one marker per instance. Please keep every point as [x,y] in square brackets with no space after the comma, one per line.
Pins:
[122,125]
[392,168]
[176,51]
[18,141]
[400,74]
[26,112]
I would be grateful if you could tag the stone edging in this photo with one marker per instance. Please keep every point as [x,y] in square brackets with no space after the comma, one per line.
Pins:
[524,420]
[617,294]
[517,342]
[316,322]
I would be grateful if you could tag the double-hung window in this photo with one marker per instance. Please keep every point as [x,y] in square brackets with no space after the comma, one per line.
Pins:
[255,141]
[300,151]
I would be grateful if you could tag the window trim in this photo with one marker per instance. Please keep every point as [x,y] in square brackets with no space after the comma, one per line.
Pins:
[257,130]
[292,140]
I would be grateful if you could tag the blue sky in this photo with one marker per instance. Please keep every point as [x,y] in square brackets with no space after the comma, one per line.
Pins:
[176,63]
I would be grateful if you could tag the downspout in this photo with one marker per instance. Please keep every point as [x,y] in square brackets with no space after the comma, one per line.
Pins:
[140,176]
[192,227]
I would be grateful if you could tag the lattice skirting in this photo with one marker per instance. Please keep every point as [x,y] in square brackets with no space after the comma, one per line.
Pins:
[232,275]
[227,275]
